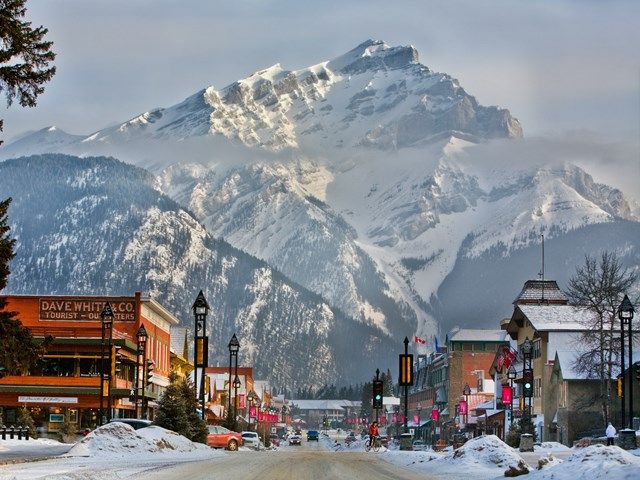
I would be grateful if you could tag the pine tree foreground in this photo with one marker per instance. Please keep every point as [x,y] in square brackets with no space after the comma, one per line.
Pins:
[20,350]
[24,56]
[177,410]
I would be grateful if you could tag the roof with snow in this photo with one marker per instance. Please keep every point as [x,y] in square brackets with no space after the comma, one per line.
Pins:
[541,291]
[324,404]
[556,317]
[178,344]
[476,335]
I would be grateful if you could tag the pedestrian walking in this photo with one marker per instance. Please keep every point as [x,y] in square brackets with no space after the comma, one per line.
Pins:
[611,434]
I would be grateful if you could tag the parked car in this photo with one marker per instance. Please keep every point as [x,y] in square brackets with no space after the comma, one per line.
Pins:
[251,439]
[295,440]
[312,435]
[419,446]
[220,437]
[136,423]
[274,440]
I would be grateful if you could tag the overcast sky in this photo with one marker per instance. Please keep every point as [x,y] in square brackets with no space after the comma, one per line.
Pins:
[557,65]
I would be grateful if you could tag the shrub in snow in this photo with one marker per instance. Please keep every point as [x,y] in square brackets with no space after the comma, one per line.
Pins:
[26,420]
[518,428]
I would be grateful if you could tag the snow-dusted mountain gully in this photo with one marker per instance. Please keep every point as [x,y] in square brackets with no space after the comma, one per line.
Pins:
[357,179]
[98,226]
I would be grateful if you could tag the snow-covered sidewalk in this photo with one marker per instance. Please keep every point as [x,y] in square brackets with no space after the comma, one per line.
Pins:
[113,451]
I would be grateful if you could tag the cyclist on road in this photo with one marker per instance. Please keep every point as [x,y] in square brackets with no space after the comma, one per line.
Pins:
[373,432]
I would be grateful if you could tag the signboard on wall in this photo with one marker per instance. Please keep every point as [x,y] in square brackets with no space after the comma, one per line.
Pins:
[85,309]
[24,399]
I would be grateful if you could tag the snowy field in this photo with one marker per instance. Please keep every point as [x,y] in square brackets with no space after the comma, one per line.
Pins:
[116,451]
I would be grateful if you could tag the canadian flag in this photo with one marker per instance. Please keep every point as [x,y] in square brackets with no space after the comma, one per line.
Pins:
[419,340]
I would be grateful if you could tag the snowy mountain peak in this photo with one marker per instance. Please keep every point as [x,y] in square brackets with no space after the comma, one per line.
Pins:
[374,55]
[374,96]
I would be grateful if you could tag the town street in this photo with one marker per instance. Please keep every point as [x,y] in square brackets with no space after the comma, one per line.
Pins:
[288,463]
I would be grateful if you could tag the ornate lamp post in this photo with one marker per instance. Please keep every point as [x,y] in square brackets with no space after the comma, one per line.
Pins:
[511,375]
[625,314]
[250,403]
[200,310]
[236,386]
[234,346]
[140,352]
[106,320]
[466,391]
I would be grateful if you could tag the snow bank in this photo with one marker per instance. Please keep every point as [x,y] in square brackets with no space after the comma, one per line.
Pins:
[596,462]
[482,458]
[487,452]
[119,438]
[551,447]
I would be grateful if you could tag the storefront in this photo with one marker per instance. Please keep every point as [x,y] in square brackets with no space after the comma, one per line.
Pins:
[65,384]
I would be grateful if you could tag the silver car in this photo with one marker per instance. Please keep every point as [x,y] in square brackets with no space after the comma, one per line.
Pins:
[251,440]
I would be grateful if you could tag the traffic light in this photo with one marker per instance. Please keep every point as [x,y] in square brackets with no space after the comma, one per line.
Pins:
[116,361]
[377,393]
[132,395]
[527,382]
[149,376]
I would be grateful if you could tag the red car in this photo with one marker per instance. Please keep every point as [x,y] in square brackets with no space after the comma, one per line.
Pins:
[274,439]
[220,437]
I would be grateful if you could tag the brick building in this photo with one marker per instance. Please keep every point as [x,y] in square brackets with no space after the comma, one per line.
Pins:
[66,382]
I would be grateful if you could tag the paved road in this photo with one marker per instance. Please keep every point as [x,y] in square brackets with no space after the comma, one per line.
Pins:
[287,465]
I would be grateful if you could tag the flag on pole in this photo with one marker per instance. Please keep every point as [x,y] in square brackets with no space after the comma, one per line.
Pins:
[419,340]
[436,344]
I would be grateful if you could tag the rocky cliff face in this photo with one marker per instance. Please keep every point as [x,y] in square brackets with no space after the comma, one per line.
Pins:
[98,226]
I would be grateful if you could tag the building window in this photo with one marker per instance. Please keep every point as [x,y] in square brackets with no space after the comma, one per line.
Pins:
[537,387]
[562,401]
[537,348]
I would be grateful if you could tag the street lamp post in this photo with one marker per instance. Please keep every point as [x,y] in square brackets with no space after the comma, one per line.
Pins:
[236,385]
[527,348]
[250,403]
[142,343]
[106,320]
[466,391]
[419,409]
[200,310]
[511,375]
[625,314]
[234,346]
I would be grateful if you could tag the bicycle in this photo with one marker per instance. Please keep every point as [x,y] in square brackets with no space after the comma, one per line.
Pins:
[375,447]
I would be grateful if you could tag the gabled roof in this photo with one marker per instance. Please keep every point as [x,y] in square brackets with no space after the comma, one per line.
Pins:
[541,291]
[546,318]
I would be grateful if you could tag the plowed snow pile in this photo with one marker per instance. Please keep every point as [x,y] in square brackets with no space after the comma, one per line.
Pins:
[118,438]
[486,452]
[596,462]
[483,458]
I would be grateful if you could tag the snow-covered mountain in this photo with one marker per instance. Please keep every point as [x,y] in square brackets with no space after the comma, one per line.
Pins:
[99,226]
[357,178]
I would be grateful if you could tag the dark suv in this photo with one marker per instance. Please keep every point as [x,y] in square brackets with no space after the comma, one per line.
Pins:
[136,423]
[312,435]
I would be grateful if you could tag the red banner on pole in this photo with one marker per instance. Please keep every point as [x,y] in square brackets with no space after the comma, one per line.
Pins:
[242,400]
[253,412]
[435,415]
[507,396]
[462,407]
